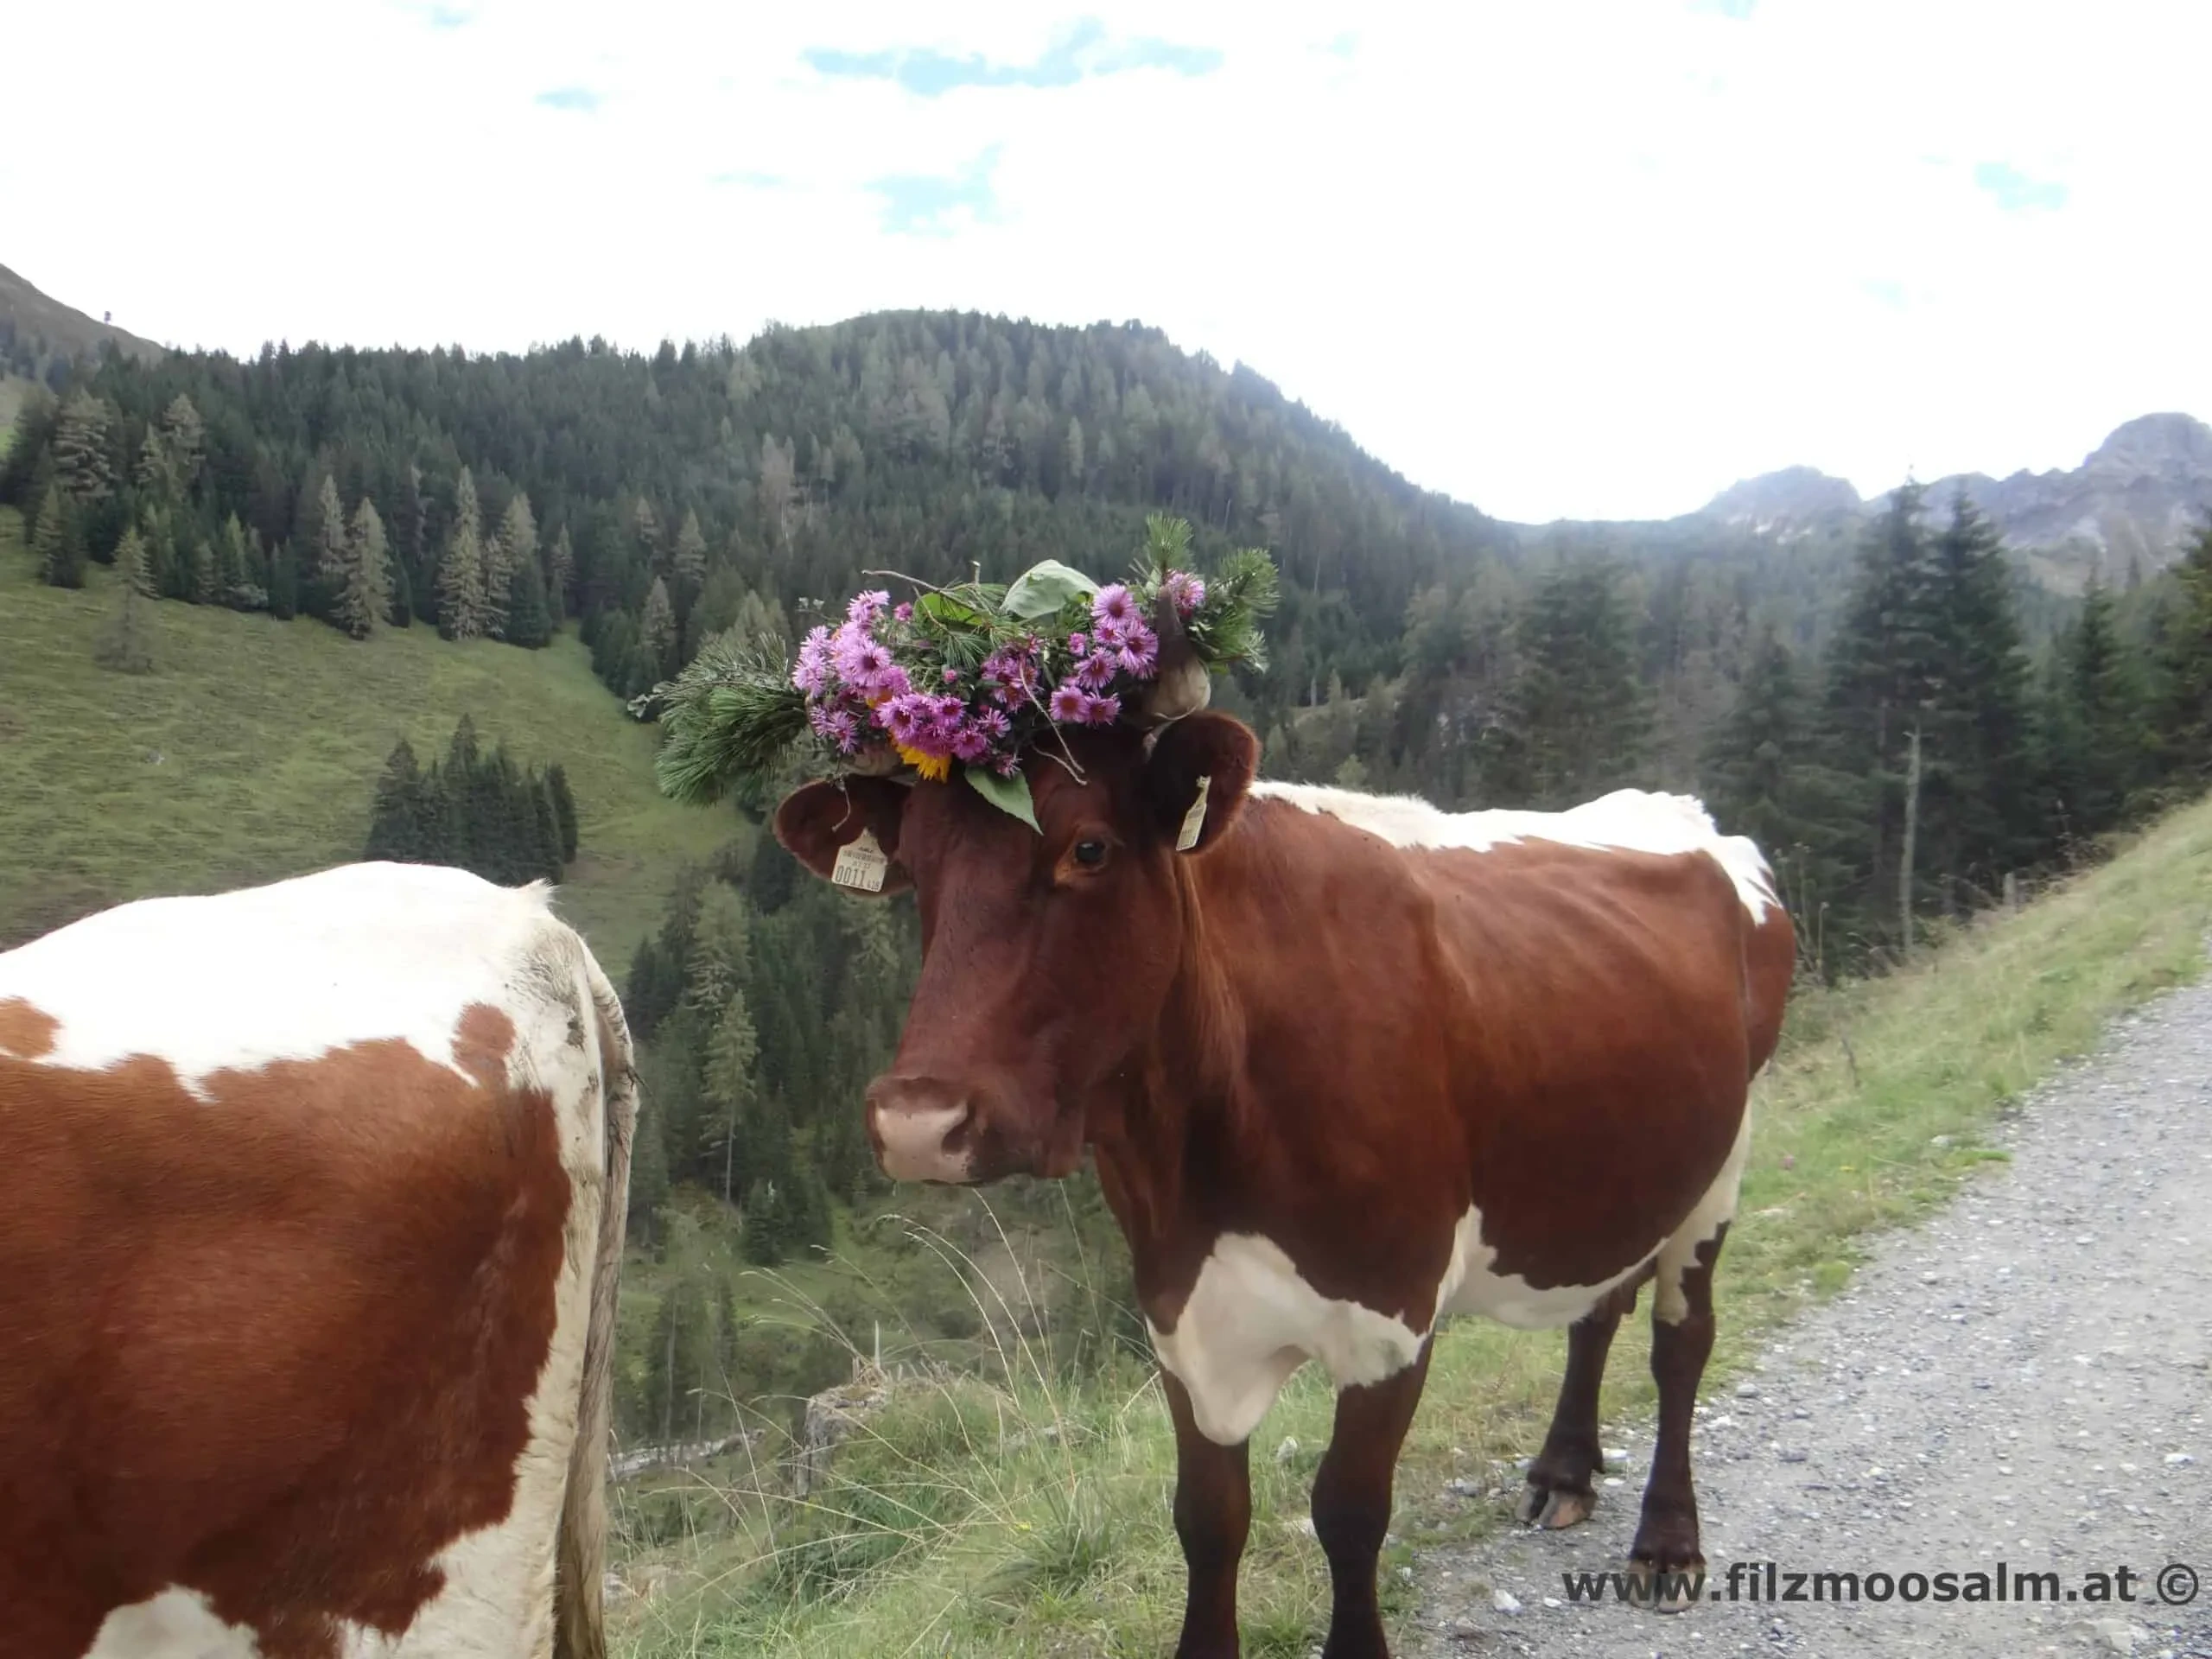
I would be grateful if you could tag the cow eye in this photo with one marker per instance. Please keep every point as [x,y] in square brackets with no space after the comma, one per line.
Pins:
[1091,854]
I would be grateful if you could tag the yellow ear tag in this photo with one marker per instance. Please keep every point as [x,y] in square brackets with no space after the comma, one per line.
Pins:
[861,864]
[1194,821]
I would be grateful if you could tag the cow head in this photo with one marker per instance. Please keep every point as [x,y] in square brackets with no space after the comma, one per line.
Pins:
[1047,954]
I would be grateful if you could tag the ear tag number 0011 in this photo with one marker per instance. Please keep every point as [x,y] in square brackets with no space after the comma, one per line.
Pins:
[861,864]
[1194,821]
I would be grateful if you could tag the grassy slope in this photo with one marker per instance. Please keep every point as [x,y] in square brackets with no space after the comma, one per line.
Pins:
[1006,1540]
[253,752]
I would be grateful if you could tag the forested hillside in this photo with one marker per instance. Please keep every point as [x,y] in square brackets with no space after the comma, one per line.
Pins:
[1901,720]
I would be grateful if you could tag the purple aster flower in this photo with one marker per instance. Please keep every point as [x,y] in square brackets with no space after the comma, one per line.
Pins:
[904,716]
[872,666]
[970,746]
[1140,654]
[1068,705]
[951,675]
[1102,711]
[845,646]
[1007,765]
[1096,672]
[892,682]
[1114,603]
[1110,634]
[903,612]
[1188,591]
[838,726]
[865,607]
[812,673]
[1079,644]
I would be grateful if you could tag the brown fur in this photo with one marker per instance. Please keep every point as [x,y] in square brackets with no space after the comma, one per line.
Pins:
[274,1344]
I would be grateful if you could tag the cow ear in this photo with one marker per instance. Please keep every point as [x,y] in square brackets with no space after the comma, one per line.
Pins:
[1217,753]
[819,821]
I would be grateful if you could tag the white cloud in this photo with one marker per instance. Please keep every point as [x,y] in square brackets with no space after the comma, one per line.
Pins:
[1590,258]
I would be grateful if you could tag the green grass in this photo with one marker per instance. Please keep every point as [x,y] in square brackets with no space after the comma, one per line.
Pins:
[252,754]
[1022,1512]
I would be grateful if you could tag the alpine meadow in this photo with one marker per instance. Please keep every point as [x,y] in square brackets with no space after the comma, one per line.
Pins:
[261,616]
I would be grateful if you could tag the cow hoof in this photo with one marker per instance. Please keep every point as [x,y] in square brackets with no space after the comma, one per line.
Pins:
[1551,1509]
[1669,1589]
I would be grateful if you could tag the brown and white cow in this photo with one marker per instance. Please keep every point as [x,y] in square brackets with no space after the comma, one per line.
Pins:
[311,1213]
[1347,1064]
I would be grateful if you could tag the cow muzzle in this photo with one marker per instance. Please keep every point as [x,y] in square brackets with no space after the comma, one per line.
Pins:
[922,1130]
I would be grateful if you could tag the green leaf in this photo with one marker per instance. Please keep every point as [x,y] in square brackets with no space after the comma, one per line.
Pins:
[1043,587]
[942,607]
[1008,794]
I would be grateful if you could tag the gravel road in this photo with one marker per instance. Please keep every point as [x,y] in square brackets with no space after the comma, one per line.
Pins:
[2027,1378]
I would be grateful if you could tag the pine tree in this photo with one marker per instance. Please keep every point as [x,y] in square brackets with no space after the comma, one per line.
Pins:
[529,622]
[398,820]
[461,610]
[81,463]
[364,601]
[326,547]
[126,644]
[512,546]
[2097,735]
[183,442]
[1581,712]
[2186,664]
[733,1050]
[691,564]
[659,631]
[59,542]
[564,809]
[205,582]
[648,1169]
[155,477]
[560,575]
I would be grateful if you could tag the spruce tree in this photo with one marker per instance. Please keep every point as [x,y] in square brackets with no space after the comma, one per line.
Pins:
[81,463]
[512,543]
[364,598]
[461,609]
[564,809]
[727,1079]
[658,631]
[529,623]
[2098,737]
[2184,722]
[690,563]
[560,575]
[325,545]
[1581,712]
[397,821]
[183,442]
[59,541]
[126,644]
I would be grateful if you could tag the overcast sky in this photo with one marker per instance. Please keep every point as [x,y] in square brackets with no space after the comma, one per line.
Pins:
[1560,259]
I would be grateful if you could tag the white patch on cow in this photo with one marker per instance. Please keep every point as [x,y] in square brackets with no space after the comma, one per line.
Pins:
[175,1624]
[1717,1205]
[1251,1320]
[1469,1287]
[347,956]
[1628,820]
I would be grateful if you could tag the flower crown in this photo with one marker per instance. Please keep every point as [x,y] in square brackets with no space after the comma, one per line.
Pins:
[969,676]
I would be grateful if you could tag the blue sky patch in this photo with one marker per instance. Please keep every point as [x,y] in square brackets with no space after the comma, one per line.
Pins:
[2015,192]
[1084,50]
[580,99]
[924,204]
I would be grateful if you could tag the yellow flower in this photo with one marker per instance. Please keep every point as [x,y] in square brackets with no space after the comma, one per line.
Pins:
[934,767]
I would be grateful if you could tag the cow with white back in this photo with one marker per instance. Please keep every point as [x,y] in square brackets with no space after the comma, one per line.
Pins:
[311,1219]
[1346,1064]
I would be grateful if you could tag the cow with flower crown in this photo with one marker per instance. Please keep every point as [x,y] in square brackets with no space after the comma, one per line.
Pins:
[1345,1063]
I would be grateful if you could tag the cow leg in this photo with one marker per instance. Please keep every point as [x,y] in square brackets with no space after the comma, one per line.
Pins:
[1351,1503]
[1213,1512]
[1561,1488]
[1681,1341]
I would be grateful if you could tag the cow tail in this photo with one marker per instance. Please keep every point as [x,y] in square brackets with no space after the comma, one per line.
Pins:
[579,1624]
